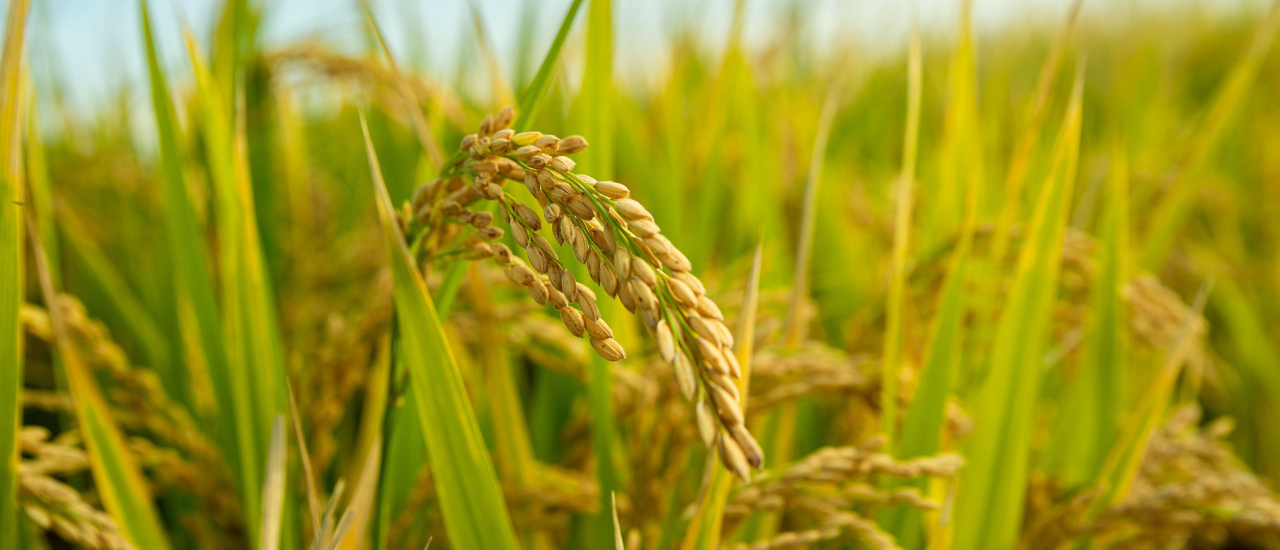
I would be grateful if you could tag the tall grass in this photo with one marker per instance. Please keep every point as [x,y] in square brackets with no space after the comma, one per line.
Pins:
[979,293]
[12,90]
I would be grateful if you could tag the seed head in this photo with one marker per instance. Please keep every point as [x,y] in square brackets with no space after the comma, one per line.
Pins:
[643,228]
[547,143]
[538,291]
[571,145]
[666,342]
[608,348]
[706,423]
[709,308]
[481,219]
[734,459]
[525,152]
[685,376]
[613,190]
[504,118]
[521,274]
[726,406]
[704,328]
[632,210]
[641,269]
[562,164]
[528,216]
[624,251]
[573,321]
[520,235]
[692,282]
[682,293]
[608,281]
[598,329]
[502,254]
[524,139]
[750,449]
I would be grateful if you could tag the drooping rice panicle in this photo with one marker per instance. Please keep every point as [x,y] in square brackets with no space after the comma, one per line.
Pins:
[620,244]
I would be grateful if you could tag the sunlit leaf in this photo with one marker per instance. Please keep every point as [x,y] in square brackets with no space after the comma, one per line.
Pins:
[11,265]
[466,483]
[993,483]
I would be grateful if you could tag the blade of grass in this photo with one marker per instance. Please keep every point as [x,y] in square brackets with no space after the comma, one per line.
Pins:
[340,532]
[262,355]
[960,156]
[116,475]
[993,483]
[273,487]
[598,99]
[232,45]
[372,428]
[402,440]
[1173,211]
[511,437]
[467,486]
[313,500]
[37,173]
[360,508]
[778,430]
[404,450]
[405,453]
[923,426]
[1094,406]
[264,359]
[704,529]
[196,306]
[419,123]
[530,100]
[796,329]
[11,266]
[1015,181]
[325,538]
[617,527]
[1122,463]
[892,362]
[256,358]
[1029,139]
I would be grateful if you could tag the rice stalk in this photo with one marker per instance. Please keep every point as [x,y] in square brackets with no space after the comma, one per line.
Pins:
[621,246]
[12,87]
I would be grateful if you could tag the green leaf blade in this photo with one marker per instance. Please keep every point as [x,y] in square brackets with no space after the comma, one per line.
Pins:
[993,483]
[11,267]
[1094,406]
[470,498]
[198,311]
[530,100]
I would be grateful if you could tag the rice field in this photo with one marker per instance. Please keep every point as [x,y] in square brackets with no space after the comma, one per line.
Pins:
[1002,290]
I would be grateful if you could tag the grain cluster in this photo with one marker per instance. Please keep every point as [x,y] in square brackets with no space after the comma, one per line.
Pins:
[620,245]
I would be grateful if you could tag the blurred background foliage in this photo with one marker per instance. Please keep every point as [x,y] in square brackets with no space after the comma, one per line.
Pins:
[1076,186]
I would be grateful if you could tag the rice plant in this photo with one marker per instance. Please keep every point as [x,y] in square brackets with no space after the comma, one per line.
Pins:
[999,290]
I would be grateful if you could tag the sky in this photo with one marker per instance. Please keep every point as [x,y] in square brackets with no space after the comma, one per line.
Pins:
[93,48]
